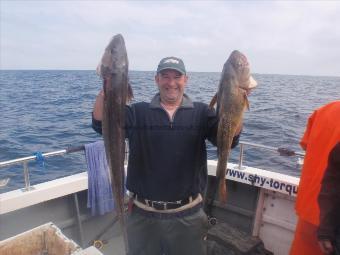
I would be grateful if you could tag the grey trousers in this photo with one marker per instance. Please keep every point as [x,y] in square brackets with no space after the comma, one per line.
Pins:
[180,235]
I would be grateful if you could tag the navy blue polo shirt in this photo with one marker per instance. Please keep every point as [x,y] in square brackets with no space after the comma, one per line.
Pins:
[168,157]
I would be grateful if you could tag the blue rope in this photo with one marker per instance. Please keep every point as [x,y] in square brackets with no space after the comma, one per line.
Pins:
[39,158]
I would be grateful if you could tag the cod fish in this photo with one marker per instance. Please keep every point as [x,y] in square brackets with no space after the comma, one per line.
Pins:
[113,69]
[231,101]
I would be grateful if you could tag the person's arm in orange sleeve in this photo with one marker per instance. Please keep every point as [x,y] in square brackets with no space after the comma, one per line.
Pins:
[305,138]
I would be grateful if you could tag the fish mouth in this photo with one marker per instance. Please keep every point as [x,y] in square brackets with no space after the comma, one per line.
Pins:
[249,83]
[252,82]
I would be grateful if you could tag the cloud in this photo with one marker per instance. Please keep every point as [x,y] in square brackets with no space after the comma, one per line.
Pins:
[278,37]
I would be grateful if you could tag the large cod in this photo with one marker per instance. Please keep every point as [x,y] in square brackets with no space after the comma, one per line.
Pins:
[113,69]
[231,101]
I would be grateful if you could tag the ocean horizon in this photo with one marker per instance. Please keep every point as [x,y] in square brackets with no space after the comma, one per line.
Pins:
[93,70]
[49,110]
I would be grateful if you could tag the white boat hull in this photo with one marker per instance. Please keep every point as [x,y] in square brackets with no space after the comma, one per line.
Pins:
[260,203]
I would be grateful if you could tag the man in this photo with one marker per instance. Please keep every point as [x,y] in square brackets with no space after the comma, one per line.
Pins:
[321,135]
[167,167]
[329,202]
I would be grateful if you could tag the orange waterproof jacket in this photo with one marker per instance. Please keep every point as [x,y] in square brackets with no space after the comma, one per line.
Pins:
[321,135]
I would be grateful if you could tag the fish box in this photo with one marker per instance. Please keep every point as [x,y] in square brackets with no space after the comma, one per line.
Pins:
[46,239]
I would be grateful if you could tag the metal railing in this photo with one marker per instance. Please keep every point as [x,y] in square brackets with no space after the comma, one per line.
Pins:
[280,150]
[24,161]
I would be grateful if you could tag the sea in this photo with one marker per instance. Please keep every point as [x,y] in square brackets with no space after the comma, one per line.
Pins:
[50,110]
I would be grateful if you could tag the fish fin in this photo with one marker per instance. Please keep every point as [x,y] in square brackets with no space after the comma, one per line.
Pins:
[213,101]
[247,101]
[130,93]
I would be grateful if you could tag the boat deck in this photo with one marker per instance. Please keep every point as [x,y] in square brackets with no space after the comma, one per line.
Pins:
[260,207]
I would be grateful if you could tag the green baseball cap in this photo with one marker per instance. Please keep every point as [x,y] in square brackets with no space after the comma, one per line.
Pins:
[171,63]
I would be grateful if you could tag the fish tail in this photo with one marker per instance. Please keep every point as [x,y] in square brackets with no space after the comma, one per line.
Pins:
[222,191]
[223,155]
[125,236]
[222,187]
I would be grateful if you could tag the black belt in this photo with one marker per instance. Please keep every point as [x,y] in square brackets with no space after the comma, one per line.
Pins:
[162,205]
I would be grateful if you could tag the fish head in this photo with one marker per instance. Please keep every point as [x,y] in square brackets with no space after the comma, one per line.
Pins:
[114,58]
[241,68]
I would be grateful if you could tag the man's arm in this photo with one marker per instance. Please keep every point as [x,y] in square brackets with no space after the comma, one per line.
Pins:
[97,114]
[98,106]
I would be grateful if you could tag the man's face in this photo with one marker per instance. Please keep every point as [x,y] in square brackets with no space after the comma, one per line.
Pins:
[171,85]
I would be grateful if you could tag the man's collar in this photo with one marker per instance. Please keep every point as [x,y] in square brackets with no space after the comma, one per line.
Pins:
[156,102]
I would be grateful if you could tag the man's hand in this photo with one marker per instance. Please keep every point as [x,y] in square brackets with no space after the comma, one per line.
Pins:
[326,246]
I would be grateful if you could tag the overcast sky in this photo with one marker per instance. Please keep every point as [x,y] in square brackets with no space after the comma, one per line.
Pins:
[285,37]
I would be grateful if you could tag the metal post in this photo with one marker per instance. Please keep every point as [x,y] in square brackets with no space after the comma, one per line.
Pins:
[240,161]
[126,152]
[80,226]
[259,213]
[27,177]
